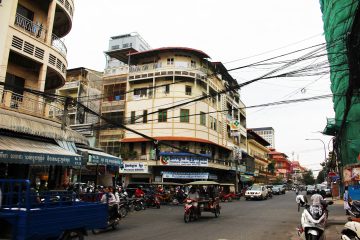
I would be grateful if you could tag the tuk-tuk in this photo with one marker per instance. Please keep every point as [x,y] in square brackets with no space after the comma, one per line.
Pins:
[208,200]
[228,193]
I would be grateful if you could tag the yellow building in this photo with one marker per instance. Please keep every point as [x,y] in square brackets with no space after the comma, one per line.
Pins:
[164,77]
[257,149]
[32,61]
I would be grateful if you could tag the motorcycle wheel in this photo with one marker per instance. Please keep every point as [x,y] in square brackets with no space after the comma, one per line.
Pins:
[217,212]
[123,212]
[158,206]
[137,207]
[187,217]
[115,225]
[312,237]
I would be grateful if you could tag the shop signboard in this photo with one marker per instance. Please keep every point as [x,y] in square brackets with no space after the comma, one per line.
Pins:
[356,174]
[347,175]
[235,125]
[134,167]
[186,175]
[184,161]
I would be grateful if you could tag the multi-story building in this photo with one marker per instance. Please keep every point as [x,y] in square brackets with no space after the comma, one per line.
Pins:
[257,148]
[297,172]
[282,164]
[267,133]
[85,86]
[33,61]
[204,144]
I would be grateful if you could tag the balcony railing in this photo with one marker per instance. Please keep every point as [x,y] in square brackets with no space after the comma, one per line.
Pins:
[35,29]
[39,31]
[31,104]
[159,66]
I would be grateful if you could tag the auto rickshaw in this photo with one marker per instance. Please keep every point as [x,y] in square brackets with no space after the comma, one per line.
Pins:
[228,193]
[208,200]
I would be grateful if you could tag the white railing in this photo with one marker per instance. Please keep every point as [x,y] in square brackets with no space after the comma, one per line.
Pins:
[159,66]
[31,104]
[58,45]
[39,31]
[35,29]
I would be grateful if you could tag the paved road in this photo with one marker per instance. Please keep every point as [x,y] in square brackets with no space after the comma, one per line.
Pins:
[275,218]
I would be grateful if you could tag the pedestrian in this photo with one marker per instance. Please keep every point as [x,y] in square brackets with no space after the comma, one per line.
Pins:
[346,199]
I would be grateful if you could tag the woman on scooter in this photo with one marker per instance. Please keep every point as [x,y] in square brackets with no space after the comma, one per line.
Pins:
[194,195]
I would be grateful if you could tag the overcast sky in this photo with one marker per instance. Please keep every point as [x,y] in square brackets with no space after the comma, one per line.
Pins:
[227,31]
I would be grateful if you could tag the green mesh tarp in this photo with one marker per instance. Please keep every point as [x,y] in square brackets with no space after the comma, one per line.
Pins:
[332,127]
[338,17]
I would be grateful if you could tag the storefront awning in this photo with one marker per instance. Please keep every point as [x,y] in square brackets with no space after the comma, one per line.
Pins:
[101,158]
[26,151]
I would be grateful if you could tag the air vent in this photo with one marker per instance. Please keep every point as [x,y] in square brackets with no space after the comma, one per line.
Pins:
[29,48]
[58,64]
[17,43]
[52,59]
[39,53]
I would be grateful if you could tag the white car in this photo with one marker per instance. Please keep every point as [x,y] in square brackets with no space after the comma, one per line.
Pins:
[256,192]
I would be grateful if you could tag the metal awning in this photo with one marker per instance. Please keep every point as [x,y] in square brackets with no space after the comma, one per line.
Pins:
[26,151]
[101,158]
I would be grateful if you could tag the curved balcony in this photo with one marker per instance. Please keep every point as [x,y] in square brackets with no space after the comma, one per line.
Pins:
[63,17]
[39,31]
[157,70]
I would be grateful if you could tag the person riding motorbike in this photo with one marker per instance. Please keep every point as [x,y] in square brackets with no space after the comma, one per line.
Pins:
[139,193]
[194,195]
[109,198]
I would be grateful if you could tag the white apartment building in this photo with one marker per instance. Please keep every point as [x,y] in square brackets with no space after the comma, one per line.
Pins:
[268,133]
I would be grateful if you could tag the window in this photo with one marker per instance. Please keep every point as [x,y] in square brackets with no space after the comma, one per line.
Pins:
[167,89]
[142,92]
[143,148]
[115,116]
[202,119]
[162,115]
[193,64]
[170,61]
[211,120]
[132,121]
[115,92]
[145,116]
[220,127]
[188,90]
[184,115]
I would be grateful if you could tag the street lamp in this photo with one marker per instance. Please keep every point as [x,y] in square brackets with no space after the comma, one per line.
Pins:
[318,139]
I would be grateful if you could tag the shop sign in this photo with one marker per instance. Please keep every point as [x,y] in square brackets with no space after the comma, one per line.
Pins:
[355,174]
[235,125]
[213,177]
[39,158]
[347,175]
[135,167]
[185,175]
[184,161]
[242,168]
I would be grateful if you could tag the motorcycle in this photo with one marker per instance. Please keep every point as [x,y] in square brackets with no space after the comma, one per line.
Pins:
[152,200]
[138,203]
[229,196]
[190,212]
[113,220]
[351,230]
[354,209]
[313,219]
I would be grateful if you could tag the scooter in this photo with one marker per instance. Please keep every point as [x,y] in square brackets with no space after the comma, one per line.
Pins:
[113,220]
[152,200]
[351,230]
[313,219]
[190,212]
[354,209]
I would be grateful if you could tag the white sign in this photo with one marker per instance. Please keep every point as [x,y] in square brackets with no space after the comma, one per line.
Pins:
[134,167]
[185,175]
[183,161]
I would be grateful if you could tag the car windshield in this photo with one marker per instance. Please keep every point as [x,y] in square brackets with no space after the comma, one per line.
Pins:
[256,188]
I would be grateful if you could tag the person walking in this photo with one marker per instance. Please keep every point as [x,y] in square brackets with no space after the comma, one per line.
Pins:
[346,199]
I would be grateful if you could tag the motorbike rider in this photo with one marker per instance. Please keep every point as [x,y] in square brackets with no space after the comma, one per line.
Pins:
[139,193]
[194,195]
[109,197]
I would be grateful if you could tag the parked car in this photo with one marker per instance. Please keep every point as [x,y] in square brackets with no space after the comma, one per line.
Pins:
[256,192]
[282,188]
[310,189]
[276,190]
[325,191]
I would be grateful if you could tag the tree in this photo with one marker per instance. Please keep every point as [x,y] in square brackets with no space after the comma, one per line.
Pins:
[320,178]
[271,167]
[278,181]
[308,178]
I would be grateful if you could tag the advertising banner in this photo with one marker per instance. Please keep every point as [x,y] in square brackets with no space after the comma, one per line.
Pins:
[184,161]
[235,125]
[135,167]
[185,175]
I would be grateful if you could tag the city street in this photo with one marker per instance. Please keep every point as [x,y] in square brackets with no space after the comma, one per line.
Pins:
[275,218]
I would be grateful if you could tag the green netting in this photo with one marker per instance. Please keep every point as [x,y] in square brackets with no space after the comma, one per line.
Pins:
[332,127]
[338,17]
